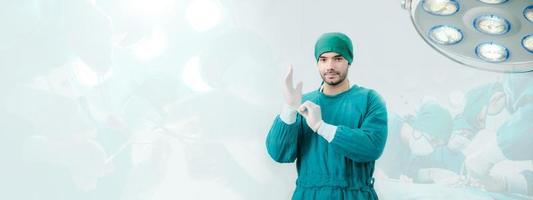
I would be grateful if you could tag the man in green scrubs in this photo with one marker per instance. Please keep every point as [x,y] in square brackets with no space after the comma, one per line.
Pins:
[335,133]
[513,141]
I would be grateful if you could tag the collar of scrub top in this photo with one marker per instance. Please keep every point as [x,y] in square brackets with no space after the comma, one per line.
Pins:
[321,87]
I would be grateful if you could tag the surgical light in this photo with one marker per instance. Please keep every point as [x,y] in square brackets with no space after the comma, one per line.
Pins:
[528,13]
[493,1]
[491,35]
[491,24]
[192,77]
[527,43]
[203,15]
[441,7]
[445,35]
[491,52]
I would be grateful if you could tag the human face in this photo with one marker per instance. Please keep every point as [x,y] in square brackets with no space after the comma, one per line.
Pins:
[460,139]
[420,143]
[333,68]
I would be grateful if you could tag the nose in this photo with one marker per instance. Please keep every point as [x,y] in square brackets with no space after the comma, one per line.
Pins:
[330,64]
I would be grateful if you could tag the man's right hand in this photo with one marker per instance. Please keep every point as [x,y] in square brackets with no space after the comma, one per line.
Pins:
[293,96]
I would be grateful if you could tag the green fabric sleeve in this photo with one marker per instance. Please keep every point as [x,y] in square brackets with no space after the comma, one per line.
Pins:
[366,143]
[282,140]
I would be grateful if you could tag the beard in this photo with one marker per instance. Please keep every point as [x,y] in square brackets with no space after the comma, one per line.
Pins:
[341,76]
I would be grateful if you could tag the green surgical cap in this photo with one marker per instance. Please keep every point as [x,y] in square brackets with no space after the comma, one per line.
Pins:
[334,42]
[477,99]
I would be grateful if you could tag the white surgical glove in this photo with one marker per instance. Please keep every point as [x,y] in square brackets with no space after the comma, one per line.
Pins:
[516,183]
[327,131]
[479,164]
[312,114]
[293,98]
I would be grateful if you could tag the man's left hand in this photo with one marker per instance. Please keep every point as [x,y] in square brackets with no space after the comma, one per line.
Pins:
[312,114]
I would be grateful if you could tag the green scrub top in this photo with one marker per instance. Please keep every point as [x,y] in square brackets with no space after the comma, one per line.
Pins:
[343,168]
[515,136]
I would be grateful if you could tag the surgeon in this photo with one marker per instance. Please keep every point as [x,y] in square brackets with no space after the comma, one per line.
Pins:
[417,146]
[427,134]
[513,140]
[482,101]
[334,133]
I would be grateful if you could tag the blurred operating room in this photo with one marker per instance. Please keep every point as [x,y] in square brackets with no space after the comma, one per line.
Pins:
[172,99]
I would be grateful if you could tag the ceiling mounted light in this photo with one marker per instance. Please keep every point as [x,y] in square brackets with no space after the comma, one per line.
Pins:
[528,13]
[441,7]
[527,43]
[445,35]
[491,24]
[493,1]
[491,52]
[492,35]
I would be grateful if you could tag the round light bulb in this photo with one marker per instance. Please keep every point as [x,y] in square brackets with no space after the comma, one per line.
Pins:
[491,52]
[493,1]
[528,13]
[441,7]
[445,35]
[491,24]
[527,43]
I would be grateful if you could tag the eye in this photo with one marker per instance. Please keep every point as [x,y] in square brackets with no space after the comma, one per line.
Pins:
[339,59]
[322,59]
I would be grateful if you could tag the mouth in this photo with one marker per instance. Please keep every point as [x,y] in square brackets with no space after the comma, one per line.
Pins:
[331,75]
